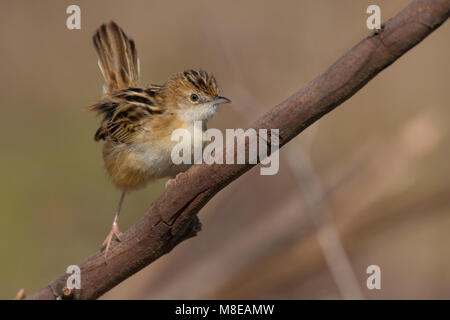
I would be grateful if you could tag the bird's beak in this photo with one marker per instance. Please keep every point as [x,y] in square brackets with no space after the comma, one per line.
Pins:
[219,100]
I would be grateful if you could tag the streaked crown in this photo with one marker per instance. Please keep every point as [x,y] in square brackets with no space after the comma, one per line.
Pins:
[195,86]
[202,81]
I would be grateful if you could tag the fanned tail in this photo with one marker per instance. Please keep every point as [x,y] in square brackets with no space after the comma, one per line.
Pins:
[118,60]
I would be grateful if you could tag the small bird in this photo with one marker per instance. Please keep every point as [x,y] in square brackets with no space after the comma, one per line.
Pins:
[137,121]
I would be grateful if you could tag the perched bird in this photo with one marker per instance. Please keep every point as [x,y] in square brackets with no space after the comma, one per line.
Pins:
[137,121]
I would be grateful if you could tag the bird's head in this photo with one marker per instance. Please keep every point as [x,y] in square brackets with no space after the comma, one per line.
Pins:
[193,95]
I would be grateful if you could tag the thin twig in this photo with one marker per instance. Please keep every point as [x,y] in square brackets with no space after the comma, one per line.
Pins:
[328,237]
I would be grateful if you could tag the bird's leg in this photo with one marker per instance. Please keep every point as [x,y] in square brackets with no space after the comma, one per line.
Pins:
[115,227]
[172,181]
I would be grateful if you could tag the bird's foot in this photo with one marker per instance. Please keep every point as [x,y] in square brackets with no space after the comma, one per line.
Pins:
[172,182]
[114,232]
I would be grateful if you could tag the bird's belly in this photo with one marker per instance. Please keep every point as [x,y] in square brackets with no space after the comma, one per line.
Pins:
[158,161]
[132,168]
[155,156]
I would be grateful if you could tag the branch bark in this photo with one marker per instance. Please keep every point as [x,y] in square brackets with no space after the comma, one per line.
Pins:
[173,216]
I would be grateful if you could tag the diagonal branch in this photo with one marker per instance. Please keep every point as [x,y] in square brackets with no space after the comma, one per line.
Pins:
[173,217]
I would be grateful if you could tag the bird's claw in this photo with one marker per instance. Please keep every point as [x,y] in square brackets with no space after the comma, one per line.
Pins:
[171,182]
[115,232]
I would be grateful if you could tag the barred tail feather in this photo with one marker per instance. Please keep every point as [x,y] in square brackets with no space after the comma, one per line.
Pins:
[118,60]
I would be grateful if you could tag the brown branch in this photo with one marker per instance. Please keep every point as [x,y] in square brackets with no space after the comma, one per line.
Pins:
[173,217]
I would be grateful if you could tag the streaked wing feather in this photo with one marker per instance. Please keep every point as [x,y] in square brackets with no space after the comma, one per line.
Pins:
[125,112]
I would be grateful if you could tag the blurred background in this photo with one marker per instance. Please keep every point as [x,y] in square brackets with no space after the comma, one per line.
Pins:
[368,184]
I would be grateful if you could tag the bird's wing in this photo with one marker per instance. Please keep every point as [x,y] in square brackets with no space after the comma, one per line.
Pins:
[125,112]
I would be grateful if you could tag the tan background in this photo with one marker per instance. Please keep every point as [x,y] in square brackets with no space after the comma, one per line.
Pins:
[380,162]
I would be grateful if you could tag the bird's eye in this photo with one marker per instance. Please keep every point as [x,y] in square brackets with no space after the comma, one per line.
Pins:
[194,97]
